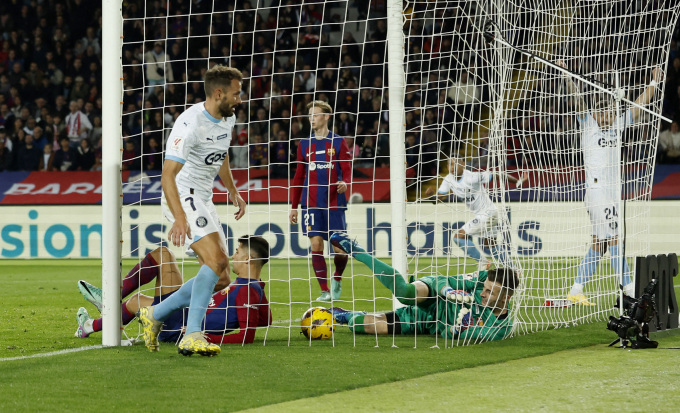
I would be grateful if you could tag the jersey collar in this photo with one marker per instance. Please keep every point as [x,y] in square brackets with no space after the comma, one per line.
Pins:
[210,117]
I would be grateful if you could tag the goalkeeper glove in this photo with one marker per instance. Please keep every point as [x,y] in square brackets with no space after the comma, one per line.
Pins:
[457,296]
[463,322]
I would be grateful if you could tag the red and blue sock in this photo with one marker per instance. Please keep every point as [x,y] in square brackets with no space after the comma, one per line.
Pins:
[320,269]
[144,272]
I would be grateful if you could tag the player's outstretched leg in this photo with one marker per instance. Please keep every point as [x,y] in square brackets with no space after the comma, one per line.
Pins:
[84,323]
[150,326]
[196,343]
[343,316]
[91,293]
[585,271]
[388,276]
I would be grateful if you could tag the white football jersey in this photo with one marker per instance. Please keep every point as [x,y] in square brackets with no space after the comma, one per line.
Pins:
[472,188]
[201,143]
[600,156]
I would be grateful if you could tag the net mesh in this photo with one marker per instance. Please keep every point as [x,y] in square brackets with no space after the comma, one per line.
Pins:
[484,102]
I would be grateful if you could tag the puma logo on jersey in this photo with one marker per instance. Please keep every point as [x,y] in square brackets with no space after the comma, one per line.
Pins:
[209,139]
[215,157]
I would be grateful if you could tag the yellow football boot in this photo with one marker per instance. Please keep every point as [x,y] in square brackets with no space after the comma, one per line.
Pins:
[151,327]
[197,343]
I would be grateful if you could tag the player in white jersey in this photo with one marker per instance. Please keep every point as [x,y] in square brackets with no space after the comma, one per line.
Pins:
[471,187]
[600,131]
[197,151]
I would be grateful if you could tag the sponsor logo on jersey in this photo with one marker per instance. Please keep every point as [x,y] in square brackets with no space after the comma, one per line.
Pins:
[226,135]
[212,302]
[606,143]
[215,157]
[201,222]
[469,276]
[319,165]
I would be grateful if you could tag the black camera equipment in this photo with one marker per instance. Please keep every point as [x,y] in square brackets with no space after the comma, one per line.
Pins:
[633,326]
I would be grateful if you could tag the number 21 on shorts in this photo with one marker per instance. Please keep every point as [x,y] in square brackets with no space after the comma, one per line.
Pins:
[308,217]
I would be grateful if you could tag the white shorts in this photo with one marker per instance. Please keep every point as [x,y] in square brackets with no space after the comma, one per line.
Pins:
[483,225]
[603,211]
[201,216]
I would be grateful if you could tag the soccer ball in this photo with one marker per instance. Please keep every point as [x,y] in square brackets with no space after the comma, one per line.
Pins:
[317,323]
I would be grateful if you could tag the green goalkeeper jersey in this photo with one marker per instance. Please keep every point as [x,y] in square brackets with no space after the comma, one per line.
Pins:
[486,326]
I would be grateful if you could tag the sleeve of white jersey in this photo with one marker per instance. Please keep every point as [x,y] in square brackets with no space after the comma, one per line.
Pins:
[445,187]
[179,143]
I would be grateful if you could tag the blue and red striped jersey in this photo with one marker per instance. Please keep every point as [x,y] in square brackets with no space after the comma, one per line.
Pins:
[321,164]
[242,305]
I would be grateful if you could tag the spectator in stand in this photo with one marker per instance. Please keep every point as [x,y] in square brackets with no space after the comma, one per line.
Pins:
[353,148]
[86,158]
[47,159]
[98,156]
[153,159]
[158,69]
[669,144]
[65,158]
[77,125]
[5,156]
[239,151]
[281,156]
[6,141]
[258,151]
[96,131]
[28,155]
[39,138]
[366,157]
[130,157]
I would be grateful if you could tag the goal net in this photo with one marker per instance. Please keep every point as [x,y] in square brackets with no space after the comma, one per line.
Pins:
[490,104]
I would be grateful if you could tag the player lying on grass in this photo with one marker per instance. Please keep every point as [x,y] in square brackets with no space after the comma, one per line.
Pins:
[471,307]
[470,187]
[601,130]
[233,314]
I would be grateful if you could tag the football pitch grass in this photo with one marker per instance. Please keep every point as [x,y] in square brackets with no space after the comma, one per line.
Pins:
[568,369]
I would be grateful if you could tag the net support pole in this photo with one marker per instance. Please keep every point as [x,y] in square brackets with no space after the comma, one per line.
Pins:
[112,96]
[396,78]
[621,216]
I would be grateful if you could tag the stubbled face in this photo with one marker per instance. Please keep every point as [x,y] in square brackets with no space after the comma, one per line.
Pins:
[230,99]
[318,119]
[493,295]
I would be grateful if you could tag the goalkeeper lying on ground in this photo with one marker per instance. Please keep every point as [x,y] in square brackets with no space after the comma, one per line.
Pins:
[471,307]
[233,314]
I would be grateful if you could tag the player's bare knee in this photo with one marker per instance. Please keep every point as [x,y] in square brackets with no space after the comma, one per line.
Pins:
[164,255]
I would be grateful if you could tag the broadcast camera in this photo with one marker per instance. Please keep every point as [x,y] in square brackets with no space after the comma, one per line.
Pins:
[633,325]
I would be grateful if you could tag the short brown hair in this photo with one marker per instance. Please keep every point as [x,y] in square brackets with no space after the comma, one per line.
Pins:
[257,246]
[220,76]
[325,107]
[506,277]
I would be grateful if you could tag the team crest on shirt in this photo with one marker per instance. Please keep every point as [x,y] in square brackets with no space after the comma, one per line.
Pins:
[330,152]
[201,222]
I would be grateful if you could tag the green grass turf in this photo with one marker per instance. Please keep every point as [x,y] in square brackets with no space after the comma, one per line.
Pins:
[37,315]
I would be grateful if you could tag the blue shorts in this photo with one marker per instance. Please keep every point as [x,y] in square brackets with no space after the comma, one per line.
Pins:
[172,326]
[323,222]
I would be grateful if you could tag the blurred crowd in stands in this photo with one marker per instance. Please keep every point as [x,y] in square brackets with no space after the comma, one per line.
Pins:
[290,54]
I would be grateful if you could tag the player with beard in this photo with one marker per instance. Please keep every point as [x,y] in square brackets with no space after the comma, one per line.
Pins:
[197,151]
